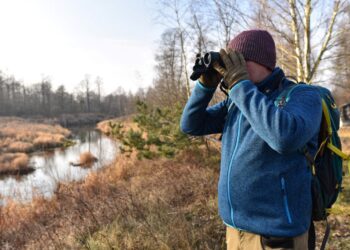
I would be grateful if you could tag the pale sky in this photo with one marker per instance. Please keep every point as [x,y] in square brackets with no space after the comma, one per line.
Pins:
[67,39]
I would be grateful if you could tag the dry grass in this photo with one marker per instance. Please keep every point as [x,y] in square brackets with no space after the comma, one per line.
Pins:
[164,204]
[21,161]
[148,204]
[86,159]
[21,136]
[344,134]
[14,163]
[46,140]
[19,146]
[133,204]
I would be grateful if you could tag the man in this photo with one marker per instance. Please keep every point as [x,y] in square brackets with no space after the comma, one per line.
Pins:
[265,182]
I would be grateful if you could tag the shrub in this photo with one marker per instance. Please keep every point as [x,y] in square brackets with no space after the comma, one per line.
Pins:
[158,132]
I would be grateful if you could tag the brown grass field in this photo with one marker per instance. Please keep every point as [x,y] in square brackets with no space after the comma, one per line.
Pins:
[139,204]
[19,136]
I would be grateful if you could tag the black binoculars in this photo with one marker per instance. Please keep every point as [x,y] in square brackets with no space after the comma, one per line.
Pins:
[205,63]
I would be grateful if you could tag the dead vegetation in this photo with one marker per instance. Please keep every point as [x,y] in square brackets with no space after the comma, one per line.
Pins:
[147,204]
[14,163]
[19,137]
[86,159]
[344,134]
[139,204]
[133,204]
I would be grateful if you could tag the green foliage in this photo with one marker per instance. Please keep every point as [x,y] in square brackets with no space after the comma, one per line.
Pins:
[68,143]
[159,132]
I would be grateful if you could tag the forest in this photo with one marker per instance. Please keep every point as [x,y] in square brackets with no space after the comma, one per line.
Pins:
[40,99]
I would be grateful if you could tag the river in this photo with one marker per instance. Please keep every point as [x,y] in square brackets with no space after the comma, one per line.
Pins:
[53,167]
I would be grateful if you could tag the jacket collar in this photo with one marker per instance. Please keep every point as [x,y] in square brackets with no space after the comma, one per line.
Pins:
[272,82]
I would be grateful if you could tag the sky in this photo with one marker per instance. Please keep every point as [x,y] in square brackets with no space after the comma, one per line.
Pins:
[65,40]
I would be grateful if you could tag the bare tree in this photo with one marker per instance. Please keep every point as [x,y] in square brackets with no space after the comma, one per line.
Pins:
[228,19]
[85,84]
[46,96]
[200,28]
[306,31]
[168,82]
[341,63]
[60,95]
[16,99]
[174,14]
[99,83]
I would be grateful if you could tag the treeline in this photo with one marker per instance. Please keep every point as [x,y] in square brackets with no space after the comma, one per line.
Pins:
[311,41]
[41,99]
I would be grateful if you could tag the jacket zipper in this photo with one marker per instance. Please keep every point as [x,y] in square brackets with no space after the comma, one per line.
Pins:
[285,200]
[230,167]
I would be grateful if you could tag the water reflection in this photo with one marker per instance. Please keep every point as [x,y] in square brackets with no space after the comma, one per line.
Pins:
[54,166]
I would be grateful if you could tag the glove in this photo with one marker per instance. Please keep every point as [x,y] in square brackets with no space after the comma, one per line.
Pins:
[211,77]
[235,67]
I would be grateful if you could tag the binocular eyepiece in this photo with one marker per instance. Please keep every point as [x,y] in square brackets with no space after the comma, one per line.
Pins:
[205,63]
[211,57]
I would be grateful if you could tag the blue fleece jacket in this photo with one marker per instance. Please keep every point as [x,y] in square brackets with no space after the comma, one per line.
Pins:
[265,182]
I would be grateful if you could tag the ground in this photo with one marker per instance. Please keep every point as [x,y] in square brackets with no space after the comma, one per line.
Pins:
[141,204]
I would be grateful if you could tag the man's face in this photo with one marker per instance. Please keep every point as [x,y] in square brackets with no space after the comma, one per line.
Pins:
[257,72]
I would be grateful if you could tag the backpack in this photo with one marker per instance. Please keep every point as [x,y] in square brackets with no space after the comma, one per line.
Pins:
[327,164]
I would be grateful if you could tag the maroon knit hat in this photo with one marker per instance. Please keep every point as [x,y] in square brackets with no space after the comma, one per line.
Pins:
[257,46]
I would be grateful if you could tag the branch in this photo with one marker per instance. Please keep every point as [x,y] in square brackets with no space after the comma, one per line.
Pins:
[283,9]
[295,30]
[307,33]
[288,52]
[328,38]
[340,85]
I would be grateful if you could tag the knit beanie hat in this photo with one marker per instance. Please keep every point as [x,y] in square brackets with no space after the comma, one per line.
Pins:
[257,46]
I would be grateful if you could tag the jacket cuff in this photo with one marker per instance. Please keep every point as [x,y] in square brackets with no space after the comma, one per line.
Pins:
[205,88]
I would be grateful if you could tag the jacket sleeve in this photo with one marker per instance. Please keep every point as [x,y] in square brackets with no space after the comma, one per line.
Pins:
[199,119]
[284,129]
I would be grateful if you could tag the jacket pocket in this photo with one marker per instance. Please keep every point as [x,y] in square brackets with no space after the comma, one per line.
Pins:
[285,200]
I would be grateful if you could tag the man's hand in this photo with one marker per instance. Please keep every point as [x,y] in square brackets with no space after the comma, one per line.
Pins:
[235,67]
[211,78]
